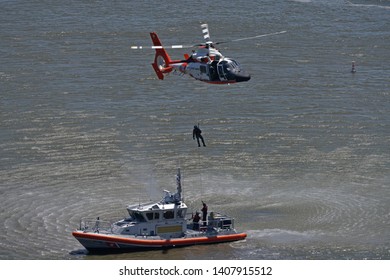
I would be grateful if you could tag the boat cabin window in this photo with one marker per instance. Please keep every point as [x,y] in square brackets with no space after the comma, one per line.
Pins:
[168,214]
[137,216]
[149,215]
[153,216]
[180,213]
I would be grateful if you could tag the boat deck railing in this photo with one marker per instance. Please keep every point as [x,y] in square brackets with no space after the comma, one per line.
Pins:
[214,221]
[95,225]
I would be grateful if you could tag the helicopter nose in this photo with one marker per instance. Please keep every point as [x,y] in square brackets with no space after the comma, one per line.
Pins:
[242,77]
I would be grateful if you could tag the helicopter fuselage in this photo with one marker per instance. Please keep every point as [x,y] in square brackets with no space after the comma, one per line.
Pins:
[225,70]
[207,64]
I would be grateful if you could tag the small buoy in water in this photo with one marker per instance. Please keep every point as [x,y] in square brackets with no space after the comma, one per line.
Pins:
[353,67]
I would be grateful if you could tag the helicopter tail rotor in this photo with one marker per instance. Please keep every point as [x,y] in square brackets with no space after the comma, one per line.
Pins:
[161,64]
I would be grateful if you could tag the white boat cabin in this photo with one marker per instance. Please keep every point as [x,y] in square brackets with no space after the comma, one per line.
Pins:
[166,218]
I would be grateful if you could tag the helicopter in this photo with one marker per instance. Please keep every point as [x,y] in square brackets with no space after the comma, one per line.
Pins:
[206,64]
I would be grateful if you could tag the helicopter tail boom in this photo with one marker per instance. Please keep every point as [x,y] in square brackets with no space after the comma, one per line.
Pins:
[162,61]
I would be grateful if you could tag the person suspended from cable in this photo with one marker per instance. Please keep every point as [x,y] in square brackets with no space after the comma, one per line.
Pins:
[196,132]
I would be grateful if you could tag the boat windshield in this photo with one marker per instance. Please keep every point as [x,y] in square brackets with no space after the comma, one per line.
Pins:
[137,216]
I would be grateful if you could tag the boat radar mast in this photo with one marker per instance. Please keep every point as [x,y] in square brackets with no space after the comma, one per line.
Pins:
[178,183]
[176,197]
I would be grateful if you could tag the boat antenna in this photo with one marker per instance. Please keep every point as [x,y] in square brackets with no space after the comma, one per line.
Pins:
[178,183]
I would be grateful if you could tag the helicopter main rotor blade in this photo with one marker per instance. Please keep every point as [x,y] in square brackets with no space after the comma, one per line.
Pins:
[254,37]
[162,47]
[205,31]
[206,36]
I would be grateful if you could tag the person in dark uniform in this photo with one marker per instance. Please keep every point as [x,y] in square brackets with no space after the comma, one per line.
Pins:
[198,134]
[195,221]
[97,224]
[204,211]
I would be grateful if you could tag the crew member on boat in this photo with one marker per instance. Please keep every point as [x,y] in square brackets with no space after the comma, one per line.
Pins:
[204,211]
[195,221]
[97,224]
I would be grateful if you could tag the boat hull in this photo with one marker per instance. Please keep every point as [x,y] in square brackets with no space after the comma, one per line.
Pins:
[107,242]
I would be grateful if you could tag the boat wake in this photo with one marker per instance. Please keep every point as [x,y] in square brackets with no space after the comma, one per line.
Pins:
[380,5]
[277,235]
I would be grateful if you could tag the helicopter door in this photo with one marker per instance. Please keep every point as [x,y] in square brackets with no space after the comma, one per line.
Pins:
[203,72]
[221,73]
[213,72]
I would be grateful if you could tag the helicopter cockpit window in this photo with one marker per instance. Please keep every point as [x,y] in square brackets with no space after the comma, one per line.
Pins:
[235,64]
[226,66]
[231,65]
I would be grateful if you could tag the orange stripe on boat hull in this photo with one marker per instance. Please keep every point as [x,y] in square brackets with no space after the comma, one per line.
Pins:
[160,242]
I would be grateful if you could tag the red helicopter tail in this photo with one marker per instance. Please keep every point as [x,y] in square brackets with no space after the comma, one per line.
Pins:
[161,64]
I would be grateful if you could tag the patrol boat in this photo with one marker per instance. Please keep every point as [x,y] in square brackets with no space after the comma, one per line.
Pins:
[159,225]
